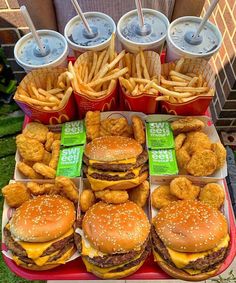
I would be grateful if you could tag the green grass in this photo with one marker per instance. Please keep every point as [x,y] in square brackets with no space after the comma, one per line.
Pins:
[7,146]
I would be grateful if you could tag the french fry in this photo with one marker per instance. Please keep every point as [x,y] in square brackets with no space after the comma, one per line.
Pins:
[133,66]
[111,86]
[179,75]
[128,63]
[95,58]
[74,80]
[191,89]
[138,66]
[35,101]
[112,48]
[99,61]
[22,91]
[66,97]
[132,81]
[49,83]
[126,83]
[193,81]
[55,90]
[179,65]
[172,83]
[144,66]
[171,93]
[200,80]
[177,79]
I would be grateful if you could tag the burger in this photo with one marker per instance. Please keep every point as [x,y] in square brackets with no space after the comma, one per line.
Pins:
[190,240]
[115,162]
[115,240]
[40,234]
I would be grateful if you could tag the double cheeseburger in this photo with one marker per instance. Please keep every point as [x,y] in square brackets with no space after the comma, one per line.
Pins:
[40,234]
[115,162]
[190,240]
[116,239]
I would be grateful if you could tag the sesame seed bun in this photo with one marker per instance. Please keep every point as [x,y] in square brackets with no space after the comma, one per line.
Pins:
[112,148]
[190,226]
[42,219]
[116,228]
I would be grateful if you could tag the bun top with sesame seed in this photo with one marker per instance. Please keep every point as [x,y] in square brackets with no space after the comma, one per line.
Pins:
[116,228]
[112,148]
[42,219]
[190,226]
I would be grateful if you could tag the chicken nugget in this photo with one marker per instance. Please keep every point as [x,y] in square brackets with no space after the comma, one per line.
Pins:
[87,199]
[202,163]
[196,141]
[29,149]
[220,152]
[179,140]
[92,124]
[36,131]
[112,196]
[67,188]
[49,141]
[57,136]
[28,162]
[119,126]
[182,158]
[35,189]
[46,157]
[15,194]
[182,188]
[212,194]
[161,197]
[128,132]
[138,128]
[139,194]
[55,154]
[28,171]
[187,124]
[50,189]
[44,170]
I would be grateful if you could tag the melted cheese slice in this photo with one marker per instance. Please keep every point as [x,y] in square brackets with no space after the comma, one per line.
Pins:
[88,250]
[125,161]
[92,170]
[98,185]
[41,261]
[35,250]
[182,259]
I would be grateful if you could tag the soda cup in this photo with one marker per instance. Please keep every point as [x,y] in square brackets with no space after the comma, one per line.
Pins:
[29,57]
[151,37]
[181,43]
[80,40]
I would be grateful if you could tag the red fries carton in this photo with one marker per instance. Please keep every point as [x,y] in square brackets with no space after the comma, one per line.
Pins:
[38,79]
[144,102]
[86,101]
[200,103]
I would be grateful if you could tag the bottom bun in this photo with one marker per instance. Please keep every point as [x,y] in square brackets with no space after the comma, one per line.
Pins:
[181,274]
[99,185]
[112,275]
[45,266]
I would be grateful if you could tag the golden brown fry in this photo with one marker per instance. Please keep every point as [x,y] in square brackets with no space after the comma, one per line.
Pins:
[15,194]
[172,83]
[44,170]
[28,171]
[113,196]
[36,131]
[138,128]
[179,65]
[144,66]
[95,58]
[87,199]
[55,154]
[140,194]
[67,188]
[138,66]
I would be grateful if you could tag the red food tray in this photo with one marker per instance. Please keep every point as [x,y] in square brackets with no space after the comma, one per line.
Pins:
[75,270]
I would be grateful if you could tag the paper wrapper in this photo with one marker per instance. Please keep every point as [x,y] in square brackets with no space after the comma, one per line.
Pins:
[85,103]
[39,78]
[144,102]
[199,104]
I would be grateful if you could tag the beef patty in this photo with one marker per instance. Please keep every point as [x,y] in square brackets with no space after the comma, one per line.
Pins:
[107,177]
[141,159]
[207,263]
[18,250]
[118,259]
[77,237]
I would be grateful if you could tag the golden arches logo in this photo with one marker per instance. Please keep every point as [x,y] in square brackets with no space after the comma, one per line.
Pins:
[171,111]
[108,105]
[61,119]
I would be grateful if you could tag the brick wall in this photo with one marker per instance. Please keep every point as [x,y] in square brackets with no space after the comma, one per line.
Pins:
[12,27]
[223,107]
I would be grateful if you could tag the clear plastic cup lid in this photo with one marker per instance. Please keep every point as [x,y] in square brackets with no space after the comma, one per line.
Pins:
[155,28]
[181,33]
[102,28]
[27,51]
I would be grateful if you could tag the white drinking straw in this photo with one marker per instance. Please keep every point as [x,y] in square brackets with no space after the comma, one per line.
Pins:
[80,13]
[206,17]
[32,29]
[140,13]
